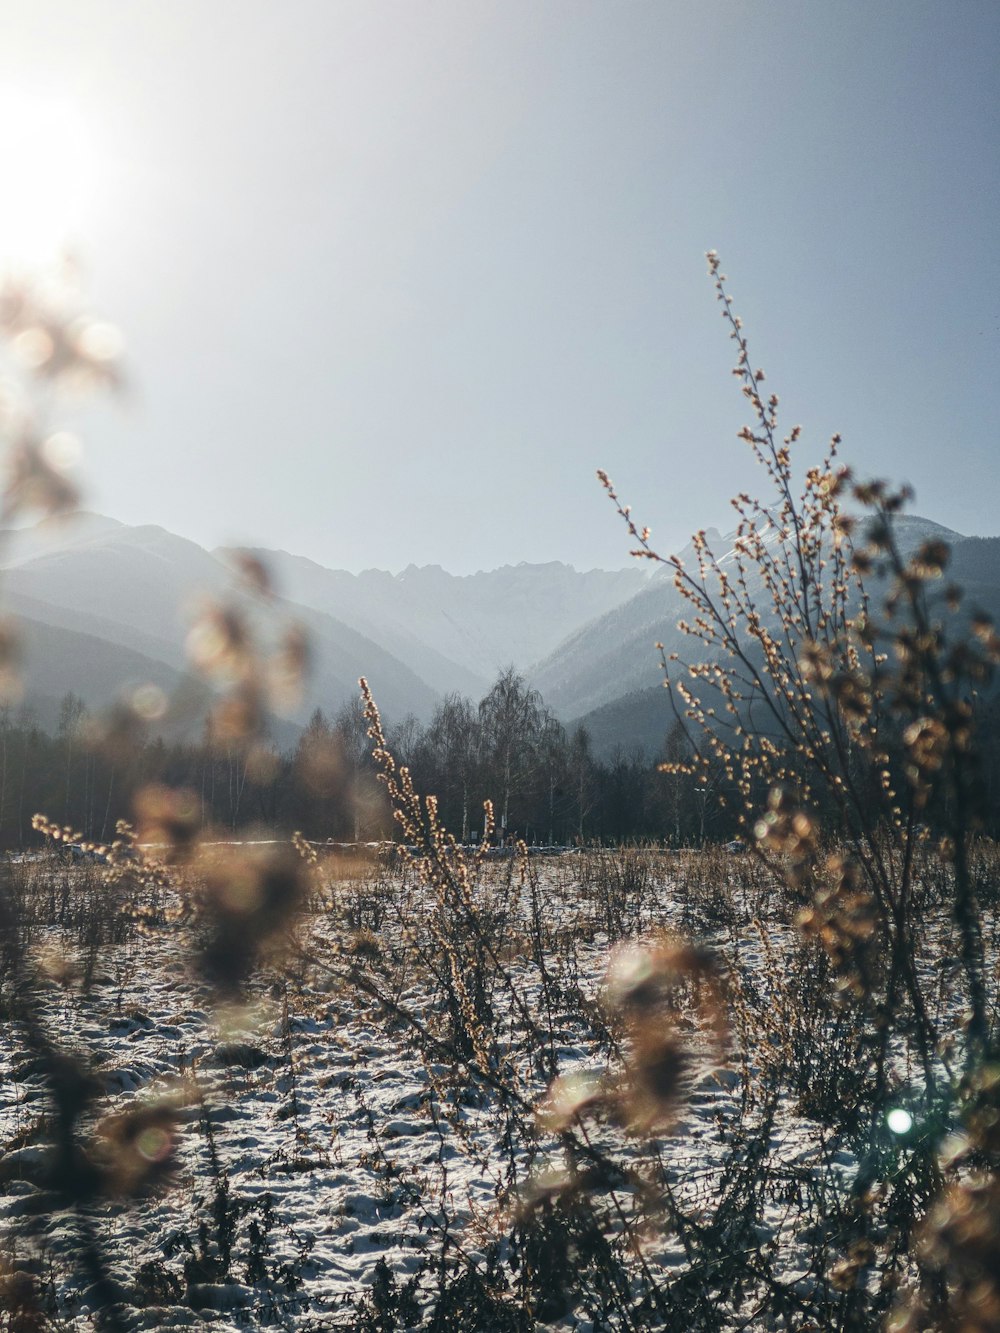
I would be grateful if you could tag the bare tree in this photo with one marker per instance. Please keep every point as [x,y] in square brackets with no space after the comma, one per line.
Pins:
[511,720]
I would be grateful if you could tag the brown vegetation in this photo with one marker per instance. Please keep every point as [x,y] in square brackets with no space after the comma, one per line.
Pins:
[717,1089]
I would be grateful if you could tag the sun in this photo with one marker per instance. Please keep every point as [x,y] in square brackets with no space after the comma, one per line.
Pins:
[48,177]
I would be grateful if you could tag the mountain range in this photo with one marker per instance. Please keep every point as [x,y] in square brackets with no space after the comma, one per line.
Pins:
[103,607]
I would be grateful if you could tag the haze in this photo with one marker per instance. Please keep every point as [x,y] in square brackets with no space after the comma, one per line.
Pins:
[395,278]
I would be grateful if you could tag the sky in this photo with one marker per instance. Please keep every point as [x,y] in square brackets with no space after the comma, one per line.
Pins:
[395,277]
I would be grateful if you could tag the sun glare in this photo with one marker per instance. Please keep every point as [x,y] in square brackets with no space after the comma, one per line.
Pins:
[48,174]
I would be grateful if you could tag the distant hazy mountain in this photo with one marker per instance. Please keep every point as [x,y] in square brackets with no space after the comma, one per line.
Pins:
[134,591]
[20,545]
[459,631]
[637,723]
[133,586]
[59,660]
[128,594]
[106,606]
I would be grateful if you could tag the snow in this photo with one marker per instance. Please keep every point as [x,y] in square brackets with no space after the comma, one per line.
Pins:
[344,1146]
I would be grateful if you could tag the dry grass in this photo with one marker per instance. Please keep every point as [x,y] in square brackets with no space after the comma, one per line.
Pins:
[840,978]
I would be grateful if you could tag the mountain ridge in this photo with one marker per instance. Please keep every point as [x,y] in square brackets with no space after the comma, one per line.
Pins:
[584,639]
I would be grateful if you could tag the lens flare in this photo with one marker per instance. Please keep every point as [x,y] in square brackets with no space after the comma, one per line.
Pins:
[899,1121]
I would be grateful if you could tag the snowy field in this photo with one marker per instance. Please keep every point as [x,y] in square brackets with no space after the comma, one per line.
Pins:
[334,1163]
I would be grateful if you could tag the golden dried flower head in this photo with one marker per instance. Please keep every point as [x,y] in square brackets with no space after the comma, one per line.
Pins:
[170,819]
[136,1150]
[253,572]
[250,898]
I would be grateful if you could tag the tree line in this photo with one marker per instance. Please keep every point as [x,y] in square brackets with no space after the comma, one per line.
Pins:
[545,782]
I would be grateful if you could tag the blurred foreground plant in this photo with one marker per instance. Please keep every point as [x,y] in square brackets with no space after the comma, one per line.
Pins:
[240,904]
